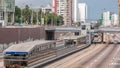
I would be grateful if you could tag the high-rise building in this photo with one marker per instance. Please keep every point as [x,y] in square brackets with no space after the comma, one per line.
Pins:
[64,8]
[119,10]
[69,10]
[106,19]
[114,20]
[82,12]
[55,4]
[109,19]
[75,11]
[7,7]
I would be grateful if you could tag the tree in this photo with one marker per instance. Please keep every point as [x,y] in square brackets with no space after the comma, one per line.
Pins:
[40,15]
[17,13]
[60,20]
[52,19]
[49,18]
[26,13]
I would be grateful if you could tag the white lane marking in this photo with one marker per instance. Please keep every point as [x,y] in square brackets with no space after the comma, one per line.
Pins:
[115,58]
[100,56]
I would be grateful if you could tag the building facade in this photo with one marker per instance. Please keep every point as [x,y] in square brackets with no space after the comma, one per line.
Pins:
[64,8]
[75,11]
[69,14]
[47,9]
[119,10]
[7,8]
[114,20]
[55,4]
[82,12]
[106,19]
[109,19]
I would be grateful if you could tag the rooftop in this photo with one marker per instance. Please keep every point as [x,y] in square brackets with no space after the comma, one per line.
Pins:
[29,26]
[25,47]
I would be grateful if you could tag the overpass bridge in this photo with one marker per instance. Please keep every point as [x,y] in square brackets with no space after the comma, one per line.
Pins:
[50,31]
[101,35]
[63,29]
[104,35]
[105,30]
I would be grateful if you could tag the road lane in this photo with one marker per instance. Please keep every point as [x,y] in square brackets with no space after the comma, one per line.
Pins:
[115,61]
[81,62]
[68,59]
[99,58]
[109,57]
[66,62]
[77,59]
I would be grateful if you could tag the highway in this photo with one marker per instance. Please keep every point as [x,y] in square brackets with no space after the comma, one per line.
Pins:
[96,56]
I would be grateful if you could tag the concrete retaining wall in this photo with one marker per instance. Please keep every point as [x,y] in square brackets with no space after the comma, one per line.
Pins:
[8,35]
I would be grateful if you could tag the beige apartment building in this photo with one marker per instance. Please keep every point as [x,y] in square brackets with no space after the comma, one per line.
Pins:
[65,9]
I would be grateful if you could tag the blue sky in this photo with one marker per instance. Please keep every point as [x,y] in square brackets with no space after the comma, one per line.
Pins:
[95,7]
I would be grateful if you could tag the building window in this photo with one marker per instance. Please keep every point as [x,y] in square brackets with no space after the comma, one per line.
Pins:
[1,15]
[10,5]
[83,27]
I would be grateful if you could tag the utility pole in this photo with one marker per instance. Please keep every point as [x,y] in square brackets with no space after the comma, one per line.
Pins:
[41,17]
[37,13]
[52,21]
[37,19]
[5,15]
[21,16]
[31,15]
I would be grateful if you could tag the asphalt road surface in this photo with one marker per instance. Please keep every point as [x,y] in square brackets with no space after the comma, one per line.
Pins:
[96,56]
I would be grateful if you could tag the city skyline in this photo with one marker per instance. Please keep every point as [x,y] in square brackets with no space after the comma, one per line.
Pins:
[59,33]
[109,5]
